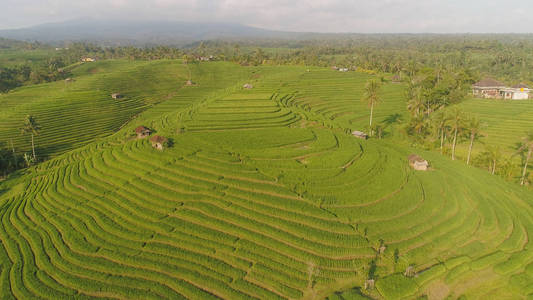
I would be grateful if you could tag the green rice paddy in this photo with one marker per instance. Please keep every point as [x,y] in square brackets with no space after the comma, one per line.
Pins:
[262,195]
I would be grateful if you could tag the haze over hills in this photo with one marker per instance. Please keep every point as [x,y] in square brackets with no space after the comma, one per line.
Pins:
[121,32]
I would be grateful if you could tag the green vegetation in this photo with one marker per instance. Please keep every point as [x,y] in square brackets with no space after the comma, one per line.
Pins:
[262,194]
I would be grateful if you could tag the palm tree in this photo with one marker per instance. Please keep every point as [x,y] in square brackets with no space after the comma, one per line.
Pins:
[442,124]
[31,126]
[371,97]
[474,127]
[527,145]
[491,155]
[457,119]
[416,103]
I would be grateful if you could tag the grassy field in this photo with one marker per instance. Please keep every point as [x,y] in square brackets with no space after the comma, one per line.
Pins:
[263,194]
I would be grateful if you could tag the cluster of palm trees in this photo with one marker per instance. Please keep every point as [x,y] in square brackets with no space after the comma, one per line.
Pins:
[8,157]
[454,126]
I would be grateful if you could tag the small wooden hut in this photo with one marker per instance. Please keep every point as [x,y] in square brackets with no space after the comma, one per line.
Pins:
[396,78]
[116,96]
[418,163]
[369,284]
[142,132]
[409,271]
[159,142]
[360,135]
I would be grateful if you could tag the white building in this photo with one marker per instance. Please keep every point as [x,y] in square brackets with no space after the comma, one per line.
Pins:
[517,92]
[490,88]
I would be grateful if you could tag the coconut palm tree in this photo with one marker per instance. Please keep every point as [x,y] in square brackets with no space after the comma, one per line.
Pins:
[371,97]
[416,104]
[527,145]
[441,123]
[31,127]
[491,156]
[474,128]
[457,120]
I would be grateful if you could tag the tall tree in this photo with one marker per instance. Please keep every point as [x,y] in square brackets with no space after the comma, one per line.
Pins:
[31,127]
[372,97]
[474,128]
[416,102]
[527,145]
[441,123]
[457,120]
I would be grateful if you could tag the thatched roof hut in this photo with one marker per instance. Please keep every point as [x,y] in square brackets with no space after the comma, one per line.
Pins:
[159,142]
[369,284]
[142,132]
[418,163]
[410,271]
[396,78]
[116,96]
[360,134]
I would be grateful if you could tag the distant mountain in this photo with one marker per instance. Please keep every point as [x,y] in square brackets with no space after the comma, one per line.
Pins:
[119,32]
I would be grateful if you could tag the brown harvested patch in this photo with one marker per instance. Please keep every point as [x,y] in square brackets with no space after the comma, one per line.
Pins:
[437,290]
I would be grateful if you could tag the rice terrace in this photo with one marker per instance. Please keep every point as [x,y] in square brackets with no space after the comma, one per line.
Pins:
[273,165]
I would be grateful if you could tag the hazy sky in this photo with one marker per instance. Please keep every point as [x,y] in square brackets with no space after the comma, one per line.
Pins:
[292,15]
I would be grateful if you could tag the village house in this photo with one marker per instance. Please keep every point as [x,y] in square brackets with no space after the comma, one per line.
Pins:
[418,163]
[142,132]
[493,89]
[158,142]
[360,135]
[516,92]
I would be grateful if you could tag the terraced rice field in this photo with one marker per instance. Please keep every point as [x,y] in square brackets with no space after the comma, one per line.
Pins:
[263,195]
[505,122]
[72,114]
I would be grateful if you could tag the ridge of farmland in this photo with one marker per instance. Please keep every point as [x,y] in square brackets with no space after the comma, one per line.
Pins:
[263,194]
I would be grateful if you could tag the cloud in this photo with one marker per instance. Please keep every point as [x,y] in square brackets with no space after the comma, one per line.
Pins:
[295,15]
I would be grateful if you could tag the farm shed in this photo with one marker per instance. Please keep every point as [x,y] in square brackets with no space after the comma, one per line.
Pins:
[142,132]
[248,86]
[418,163]
[360,134]
[369,284]
[116,96]
[487,88]
[158,142]
[88,59]
[410,271]
[396,78]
